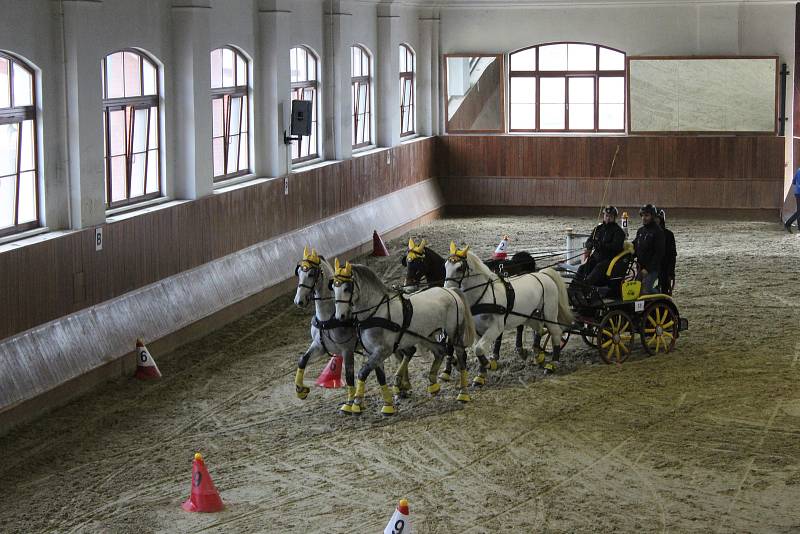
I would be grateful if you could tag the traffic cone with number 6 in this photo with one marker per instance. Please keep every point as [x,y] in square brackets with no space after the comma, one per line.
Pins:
[400,523]
[146,368]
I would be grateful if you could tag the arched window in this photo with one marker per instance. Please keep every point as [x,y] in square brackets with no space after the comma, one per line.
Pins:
[361,80]
[130,116]
[305,86]
[230,113]
[19,183]
[567,87]
[407,122]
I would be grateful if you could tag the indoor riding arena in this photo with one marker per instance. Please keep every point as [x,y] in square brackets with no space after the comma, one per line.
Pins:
[255,256]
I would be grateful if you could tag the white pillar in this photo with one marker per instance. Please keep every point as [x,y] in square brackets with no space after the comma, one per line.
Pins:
[426,65]
[388,74]
[192,99]
[336,83]
[84,115]
[437,87]
[272,87]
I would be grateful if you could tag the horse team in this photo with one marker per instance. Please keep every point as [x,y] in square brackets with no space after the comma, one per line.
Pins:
[464,304]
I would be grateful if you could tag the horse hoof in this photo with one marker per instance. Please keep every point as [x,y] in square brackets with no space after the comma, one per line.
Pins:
[478,381]
[434,389]
[463,397]
[549,368]
[444,377]
[346,408]
[388,410]
[540,358]
[522,353]
[396,390]
[302,392]
[355,409]
[492,364]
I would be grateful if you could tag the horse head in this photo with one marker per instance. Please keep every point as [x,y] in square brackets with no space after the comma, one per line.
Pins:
[415,263]
[456,267]
[308,273]
[343,286]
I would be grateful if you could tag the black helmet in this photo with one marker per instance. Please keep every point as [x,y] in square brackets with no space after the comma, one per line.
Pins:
[648,208]
[662,215]
[611,210]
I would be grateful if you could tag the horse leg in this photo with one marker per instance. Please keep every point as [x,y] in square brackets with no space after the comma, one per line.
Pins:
[496,348]
[402,384]
[480,352]
[349,376]
[463,394]
[537,344]
[375,361]
[434,388]
[555,341]
[448,366]
[301,390]
[518,348]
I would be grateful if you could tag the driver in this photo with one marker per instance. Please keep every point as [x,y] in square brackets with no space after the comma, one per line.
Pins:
[607,240]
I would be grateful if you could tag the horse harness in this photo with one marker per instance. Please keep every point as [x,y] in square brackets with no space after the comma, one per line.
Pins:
[386,322]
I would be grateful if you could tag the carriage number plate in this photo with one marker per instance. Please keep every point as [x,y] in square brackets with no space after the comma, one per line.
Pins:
[638,306]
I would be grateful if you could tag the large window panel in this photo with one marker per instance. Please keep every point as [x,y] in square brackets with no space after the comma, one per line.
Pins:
[407,118]
[553,103]
[361,84]
[304,68]
[612,103]
[229,113]
[581,103]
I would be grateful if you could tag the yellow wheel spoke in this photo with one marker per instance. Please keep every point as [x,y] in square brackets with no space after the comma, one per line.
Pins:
[652,321]
[625,328]
[667,334]
[658,343]
[608,333]
[668,325]
[625,348]
[659,319]
[607,343]
[651,340]
[616,352]
[649,330]
[625,337]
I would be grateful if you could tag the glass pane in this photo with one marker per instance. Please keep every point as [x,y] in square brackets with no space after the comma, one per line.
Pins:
[312,67]
[553,57]
[552,90]
[523,90]
[301,65]
[118,180]
[140,130]
[216,68]
[244,162]
[581,57]
[149,78]
[152,171]
[581,90]
[524,60]
[9,136]
[365,64]
[611,60]
[153,137]
[23,86]
[523,116]
[612,90]
[233,154]
[245,114]
[409,93]
[552,117]
[236,115]
[361,128]
[8,195]
[362,98]
[27,197]
[612,117]
[216,117]
[5,89]
[241,71]
[355,62]
[116,132]
[114,76]
[133,79]
[27,152]
[312,141]
[403,66]
[218,152]
[293,64]
[137,175]
[228,75]
[581,116]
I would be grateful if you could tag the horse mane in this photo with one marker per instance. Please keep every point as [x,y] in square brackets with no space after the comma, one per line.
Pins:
[326,268]
[476,264]
[369,285]
[435,255]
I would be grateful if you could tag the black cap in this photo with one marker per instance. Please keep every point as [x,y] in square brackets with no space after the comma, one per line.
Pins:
[648,208]
[662,215]
[611,210]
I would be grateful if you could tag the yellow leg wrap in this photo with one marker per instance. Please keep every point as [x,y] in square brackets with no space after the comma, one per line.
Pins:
[444,377]
[464,379]
[492,364]
[301,390]
[540,358]
[388,401]
[360,388]
[549,368]
[479,380]
[298,377]
[434,389]
[463,397]
[347,407]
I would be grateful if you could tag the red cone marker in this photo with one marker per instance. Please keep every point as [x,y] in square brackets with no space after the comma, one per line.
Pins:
[331,376]
[204,496]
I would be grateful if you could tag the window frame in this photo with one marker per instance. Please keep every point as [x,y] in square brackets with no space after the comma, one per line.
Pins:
[134,103]
[412,108]
[296,93]
[596,74]
[355,83]
[227,94]
[18,115]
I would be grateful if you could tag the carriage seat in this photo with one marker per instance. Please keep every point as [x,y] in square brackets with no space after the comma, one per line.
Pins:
[617,270]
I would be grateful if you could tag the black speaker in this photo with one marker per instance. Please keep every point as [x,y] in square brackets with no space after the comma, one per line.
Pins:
[301,117]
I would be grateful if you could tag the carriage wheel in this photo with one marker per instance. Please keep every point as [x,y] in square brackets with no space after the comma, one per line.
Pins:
[546,345]
[615,337]
[589,340]
[659,328]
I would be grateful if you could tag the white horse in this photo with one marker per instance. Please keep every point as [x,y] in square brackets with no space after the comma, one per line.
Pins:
[328,334]
[499,305]
[389,321]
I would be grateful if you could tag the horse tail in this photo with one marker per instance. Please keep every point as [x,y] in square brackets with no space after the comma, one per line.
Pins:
[565,316]
[469,336]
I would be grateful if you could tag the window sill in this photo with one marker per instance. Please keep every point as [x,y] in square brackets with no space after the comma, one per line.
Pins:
[313,164]
[225,184]
[127,212]
[21,239]
[234,184]
[410,137]
[367,150]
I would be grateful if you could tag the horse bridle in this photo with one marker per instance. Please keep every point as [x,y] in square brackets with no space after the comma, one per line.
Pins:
[315,274]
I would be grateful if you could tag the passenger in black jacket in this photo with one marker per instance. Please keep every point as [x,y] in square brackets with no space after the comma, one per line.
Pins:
[607,241]
[649,245]
[666,277]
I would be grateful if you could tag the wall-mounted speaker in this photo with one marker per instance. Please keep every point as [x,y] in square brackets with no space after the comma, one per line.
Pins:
[301,117]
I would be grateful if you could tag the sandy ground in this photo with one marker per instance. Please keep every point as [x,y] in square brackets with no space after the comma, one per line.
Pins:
[704,439]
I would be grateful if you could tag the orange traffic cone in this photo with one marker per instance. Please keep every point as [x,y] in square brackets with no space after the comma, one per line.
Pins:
[146,368]
[331,376]
[400,521]
[378,246]
[204,496]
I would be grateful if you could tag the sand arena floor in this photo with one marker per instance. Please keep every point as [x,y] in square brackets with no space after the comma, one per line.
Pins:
[705,439]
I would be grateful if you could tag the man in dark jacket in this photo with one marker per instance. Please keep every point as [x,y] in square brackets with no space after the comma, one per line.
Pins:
[649,245]
[666,276]
[606,242]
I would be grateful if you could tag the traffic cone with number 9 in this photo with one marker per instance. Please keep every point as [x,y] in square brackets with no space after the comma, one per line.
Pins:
[146,368]
[204,496]
[400,523]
